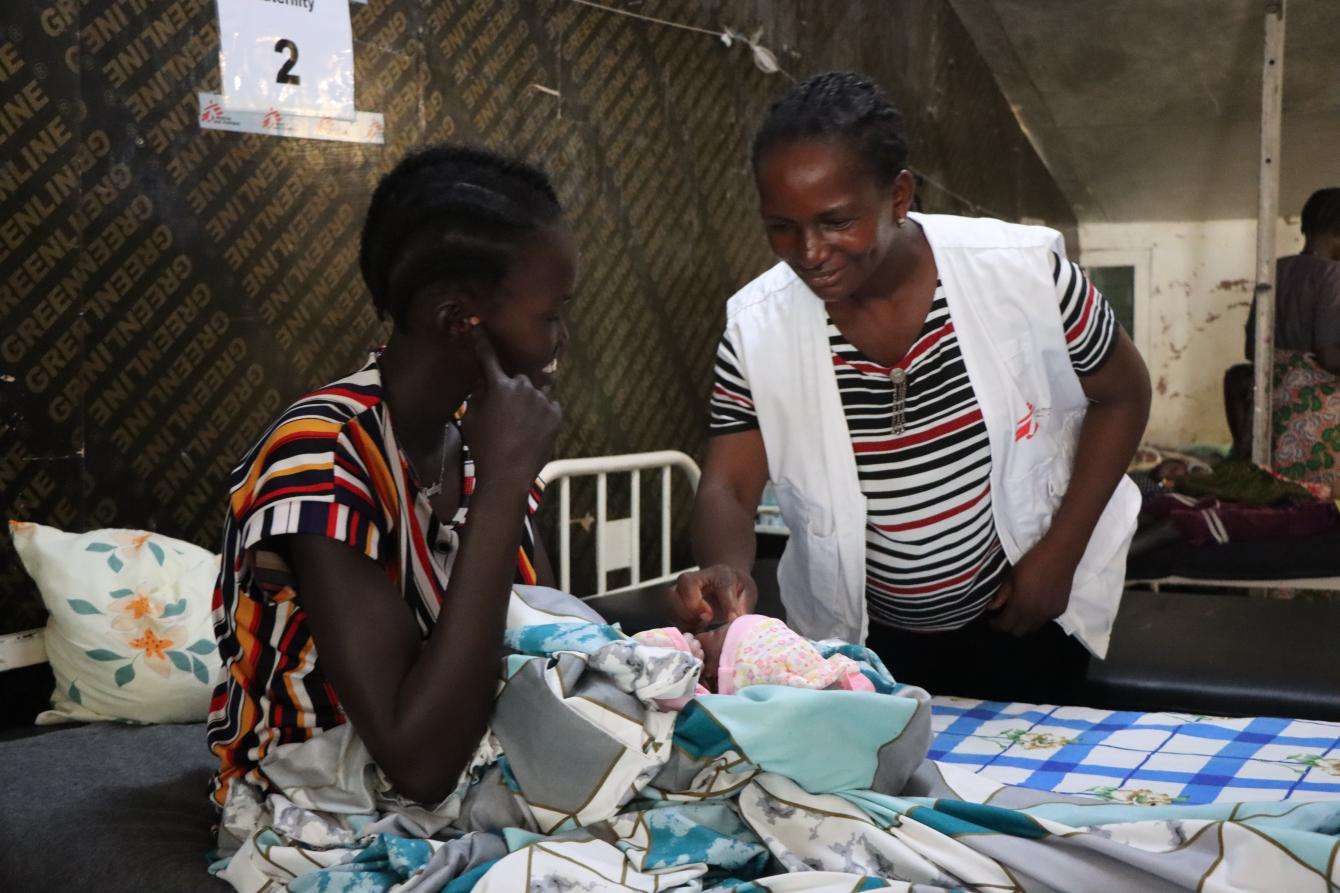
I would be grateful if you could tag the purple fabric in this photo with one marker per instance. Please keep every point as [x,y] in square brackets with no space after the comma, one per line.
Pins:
[1206,521]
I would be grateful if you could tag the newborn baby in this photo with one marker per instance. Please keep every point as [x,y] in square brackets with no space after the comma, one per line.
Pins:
[756,650]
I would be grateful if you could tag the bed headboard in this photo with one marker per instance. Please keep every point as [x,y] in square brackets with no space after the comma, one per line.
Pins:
[618,541]
[22,649]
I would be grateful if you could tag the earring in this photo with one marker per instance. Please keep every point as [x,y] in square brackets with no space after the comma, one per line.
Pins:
[901,221]
[463,326]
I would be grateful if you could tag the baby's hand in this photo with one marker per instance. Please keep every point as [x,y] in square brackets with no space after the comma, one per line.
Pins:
[695,647]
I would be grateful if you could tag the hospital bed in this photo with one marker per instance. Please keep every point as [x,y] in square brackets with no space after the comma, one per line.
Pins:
[124,806]
[1304,563]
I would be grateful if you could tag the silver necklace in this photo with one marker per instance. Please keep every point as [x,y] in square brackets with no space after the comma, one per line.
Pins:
[898,378]
[436,488]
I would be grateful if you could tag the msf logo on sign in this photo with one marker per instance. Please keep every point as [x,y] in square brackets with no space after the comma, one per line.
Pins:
[212,112]
[272,119]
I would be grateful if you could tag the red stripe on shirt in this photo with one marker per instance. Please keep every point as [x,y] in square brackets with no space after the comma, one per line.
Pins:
[917,349]
[925,344]
[719,391]
[425,560]
[939,516]
[940,430]
[928,588]
[361,398]
[1078,328]
[272,495]
[862,367]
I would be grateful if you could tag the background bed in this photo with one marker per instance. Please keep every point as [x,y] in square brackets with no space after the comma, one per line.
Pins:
[1302,563]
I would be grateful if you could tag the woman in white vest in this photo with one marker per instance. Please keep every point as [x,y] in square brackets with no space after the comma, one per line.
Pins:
[945,406]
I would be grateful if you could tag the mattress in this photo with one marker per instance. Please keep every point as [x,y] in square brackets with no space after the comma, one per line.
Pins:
[1137,757]
[123,808]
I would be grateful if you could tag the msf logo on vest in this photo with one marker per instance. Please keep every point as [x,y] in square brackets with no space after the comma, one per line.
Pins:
[1025,428]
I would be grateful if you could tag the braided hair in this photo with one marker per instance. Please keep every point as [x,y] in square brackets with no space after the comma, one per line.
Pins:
[839,104]
[449,213]
[1321,213]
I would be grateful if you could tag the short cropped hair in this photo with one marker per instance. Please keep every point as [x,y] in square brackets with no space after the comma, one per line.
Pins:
[1321,212]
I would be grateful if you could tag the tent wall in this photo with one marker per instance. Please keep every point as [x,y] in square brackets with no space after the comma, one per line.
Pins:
[165,290]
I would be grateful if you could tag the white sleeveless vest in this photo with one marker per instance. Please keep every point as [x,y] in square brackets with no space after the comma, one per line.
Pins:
[998,284]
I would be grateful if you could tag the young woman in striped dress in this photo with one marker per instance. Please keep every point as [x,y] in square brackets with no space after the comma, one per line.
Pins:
[945,607]
[376,529]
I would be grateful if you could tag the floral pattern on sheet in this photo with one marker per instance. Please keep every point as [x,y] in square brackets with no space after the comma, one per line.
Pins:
[1037,740]
[676,834]
[551,638]
[1028,740]
[127,547]
[147,628]
[1331,765]
[1135,796]
[1306,419]
[826,815]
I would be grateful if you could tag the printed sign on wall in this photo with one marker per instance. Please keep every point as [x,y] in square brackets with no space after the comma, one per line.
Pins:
[366,127]
[291,56]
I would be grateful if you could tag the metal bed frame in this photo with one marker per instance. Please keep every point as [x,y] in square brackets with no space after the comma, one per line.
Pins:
[1317,583]
[618,541]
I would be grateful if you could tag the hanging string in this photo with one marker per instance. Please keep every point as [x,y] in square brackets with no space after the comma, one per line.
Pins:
[764,58]
[767,62]
[647,18]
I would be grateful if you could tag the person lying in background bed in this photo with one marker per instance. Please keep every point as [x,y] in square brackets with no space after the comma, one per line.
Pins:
[346,521]
[945,406]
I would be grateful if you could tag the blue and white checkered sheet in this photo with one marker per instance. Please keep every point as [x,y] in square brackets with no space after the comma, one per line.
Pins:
[1130,757]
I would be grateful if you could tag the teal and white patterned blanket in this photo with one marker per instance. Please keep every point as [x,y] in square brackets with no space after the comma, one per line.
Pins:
[581,784]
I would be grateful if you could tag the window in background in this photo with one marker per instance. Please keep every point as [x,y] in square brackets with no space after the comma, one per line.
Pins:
[1117,284]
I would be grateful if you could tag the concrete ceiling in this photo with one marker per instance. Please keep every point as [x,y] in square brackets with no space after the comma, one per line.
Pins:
[1150,109]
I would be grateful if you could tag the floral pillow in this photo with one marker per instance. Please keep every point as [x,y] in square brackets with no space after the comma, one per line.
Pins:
[130,634]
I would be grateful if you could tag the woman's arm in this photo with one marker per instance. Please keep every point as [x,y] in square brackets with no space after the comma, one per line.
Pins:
[1039,586]
[421,706]
[734,473]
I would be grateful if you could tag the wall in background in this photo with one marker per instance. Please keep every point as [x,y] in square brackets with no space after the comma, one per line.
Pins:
[1194,286]
[165,290]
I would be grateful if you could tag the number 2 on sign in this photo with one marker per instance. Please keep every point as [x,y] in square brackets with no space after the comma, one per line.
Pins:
[285,45]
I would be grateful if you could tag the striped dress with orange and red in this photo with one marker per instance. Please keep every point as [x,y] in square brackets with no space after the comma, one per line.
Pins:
[323,467]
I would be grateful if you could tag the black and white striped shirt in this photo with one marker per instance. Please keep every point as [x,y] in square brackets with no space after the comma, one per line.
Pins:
[933,559]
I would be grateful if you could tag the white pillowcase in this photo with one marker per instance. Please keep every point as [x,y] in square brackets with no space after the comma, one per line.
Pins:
[130,636]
